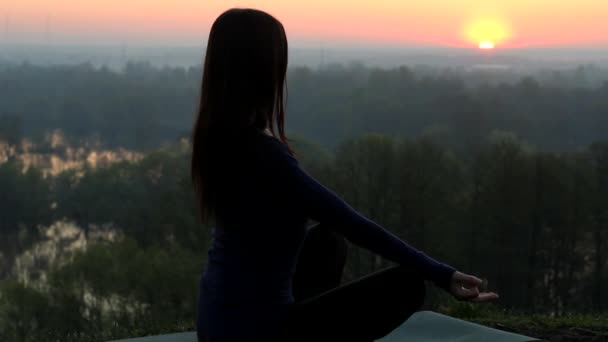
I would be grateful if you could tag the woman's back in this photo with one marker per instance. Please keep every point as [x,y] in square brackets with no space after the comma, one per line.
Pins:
[256,240]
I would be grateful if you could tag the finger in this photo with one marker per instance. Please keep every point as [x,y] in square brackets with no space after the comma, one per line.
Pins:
[468,287]
[467,294]
[484,286]
[470,281]
[485,297]
[467,279]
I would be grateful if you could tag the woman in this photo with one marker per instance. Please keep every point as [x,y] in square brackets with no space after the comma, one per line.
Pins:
[268,277]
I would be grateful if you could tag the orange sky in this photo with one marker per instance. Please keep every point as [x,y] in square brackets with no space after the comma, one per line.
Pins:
[442,22]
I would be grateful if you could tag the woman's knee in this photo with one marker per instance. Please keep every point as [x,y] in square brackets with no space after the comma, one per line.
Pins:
[321,263]
[322,239]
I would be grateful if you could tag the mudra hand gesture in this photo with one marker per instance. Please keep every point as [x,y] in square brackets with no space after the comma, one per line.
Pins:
[466,288]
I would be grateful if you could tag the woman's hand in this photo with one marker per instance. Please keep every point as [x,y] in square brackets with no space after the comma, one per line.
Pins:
[466,287]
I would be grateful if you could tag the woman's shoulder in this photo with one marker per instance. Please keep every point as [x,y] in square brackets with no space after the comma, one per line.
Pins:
[268,149]
[269,142]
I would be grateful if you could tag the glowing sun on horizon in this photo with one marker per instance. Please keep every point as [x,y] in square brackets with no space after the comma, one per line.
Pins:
[486,45]
[487,33]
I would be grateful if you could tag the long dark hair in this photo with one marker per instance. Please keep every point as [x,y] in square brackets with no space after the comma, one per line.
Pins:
[242,90]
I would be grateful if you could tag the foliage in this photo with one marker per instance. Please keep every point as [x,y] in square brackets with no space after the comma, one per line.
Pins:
[144,107]
[107,289]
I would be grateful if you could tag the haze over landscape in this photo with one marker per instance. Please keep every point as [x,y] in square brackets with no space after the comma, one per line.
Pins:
[386,32]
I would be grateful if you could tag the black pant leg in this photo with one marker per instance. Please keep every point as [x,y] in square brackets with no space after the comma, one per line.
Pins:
[320,263]
[363,310]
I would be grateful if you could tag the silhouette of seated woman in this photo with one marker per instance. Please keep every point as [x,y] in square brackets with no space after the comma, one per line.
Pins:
[268,276]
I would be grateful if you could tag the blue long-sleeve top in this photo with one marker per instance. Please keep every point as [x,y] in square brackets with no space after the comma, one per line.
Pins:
[260,227]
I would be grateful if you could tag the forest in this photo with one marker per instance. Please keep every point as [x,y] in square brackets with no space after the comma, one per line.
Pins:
[144,107]
[508,181]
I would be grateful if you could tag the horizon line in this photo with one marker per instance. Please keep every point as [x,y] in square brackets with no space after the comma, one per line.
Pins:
[305,45]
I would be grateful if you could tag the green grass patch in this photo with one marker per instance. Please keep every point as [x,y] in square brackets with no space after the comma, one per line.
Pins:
[567,327]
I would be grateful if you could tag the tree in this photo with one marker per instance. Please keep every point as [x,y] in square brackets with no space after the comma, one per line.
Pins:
[11,129]
[599,156]
[364,174]
[429,184]
[503,206]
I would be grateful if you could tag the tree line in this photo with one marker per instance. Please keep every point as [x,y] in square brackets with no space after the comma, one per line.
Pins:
[144,107]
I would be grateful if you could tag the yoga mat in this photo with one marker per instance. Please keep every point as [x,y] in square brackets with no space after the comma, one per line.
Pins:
[426,326]
[423,326]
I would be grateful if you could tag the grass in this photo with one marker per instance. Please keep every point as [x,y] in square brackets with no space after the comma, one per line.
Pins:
[568,327]
[563,328]
[115,333]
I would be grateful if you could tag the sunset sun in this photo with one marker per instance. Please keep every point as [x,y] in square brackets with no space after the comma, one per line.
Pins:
[487,33]
[486,45]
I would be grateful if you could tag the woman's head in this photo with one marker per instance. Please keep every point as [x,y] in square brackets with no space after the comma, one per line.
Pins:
[242,89]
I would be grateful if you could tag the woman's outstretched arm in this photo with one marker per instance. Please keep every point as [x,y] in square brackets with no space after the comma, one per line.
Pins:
[324,206]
